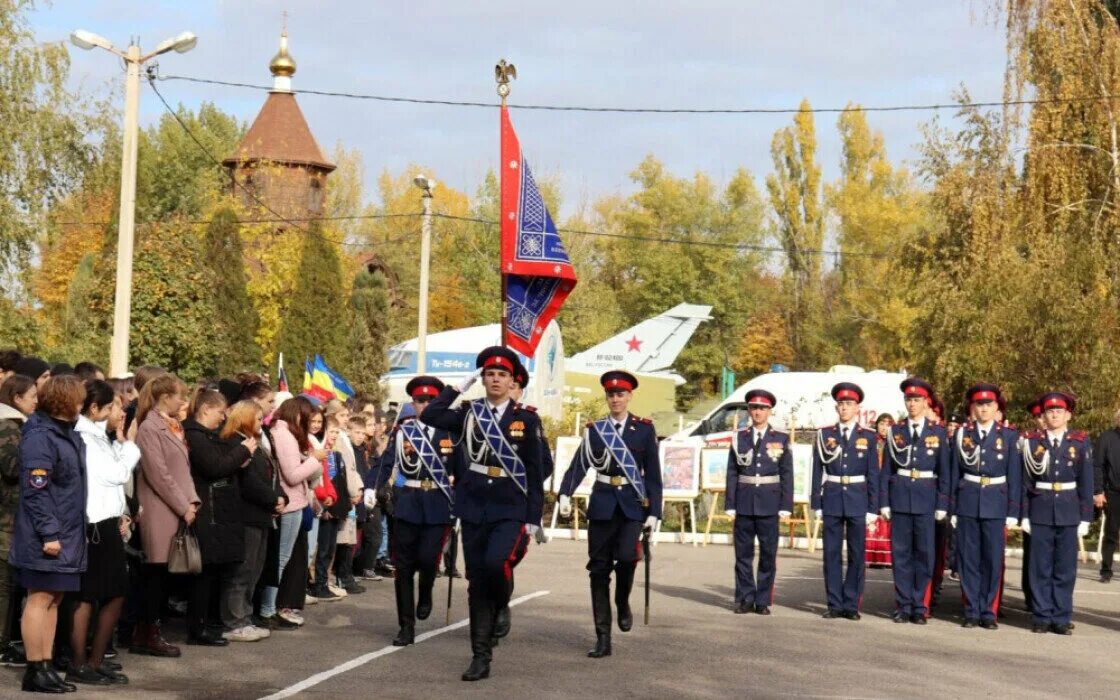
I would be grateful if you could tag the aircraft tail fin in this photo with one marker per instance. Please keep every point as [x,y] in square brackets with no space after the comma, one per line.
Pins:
[650,346]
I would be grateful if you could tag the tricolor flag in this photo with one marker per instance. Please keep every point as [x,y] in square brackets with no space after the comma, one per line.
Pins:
[537,273]
[323,383]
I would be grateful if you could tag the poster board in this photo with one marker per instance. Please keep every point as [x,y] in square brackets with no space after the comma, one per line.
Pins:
[566,448]
[713,468]
[680,469]
[802,472]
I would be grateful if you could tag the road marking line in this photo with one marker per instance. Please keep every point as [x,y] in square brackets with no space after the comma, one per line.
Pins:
[366,658]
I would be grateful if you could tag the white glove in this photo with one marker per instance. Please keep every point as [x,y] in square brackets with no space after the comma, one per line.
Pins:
[651,522]
[469,381]
[1010,522]
[885,512]
[565,506]
[369,497]
[730,512]
[939,515]
[784,513]
[870,518]
[818,513]
[532,530]
[1025,524]
[953,521]
[1083,529]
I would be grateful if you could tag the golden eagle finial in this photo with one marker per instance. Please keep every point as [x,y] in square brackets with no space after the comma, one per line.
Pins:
[502,74]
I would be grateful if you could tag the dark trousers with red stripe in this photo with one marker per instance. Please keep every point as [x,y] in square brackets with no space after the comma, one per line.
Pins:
[612,545]
[913,537]
[980,545]
[1053,572]
[844,588]
[418,548]
[747,528]
[490,552]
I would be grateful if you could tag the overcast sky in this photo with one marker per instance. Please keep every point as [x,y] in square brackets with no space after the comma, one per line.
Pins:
[629,53]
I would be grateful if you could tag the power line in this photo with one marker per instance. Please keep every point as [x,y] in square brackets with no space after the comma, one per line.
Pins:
[655,110]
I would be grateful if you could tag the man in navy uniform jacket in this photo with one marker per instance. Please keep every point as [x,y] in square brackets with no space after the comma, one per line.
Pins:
[625,499]
[759,493]
[499,491]
[845,493]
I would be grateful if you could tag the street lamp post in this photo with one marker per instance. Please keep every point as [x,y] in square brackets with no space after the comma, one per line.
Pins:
[426,187]
[122,303]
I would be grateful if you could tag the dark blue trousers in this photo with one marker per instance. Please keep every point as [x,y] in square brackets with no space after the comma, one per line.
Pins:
[844,590]
[490,552]
[980,545]
[747,528]
[913,536]
[1053,571]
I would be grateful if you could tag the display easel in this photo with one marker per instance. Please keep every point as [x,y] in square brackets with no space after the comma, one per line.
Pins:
[714,513]
[680,501]
[794,520]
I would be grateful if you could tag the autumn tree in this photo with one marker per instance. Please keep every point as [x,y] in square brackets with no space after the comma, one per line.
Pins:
[235,318]
[366,341]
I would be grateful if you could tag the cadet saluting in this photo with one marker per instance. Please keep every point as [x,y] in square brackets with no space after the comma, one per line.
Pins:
[1058,505]
[845,493]
[499,491]
[913,495]
[759,493]
[625,498]
[422,513]
[984,486]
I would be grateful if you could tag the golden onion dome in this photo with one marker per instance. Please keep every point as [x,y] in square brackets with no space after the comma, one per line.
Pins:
[282,64]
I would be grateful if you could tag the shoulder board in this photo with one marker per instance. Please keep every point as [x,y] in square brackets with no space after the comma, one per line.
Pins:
[1029,434]
[1078,435]
[868,431]
[589,424]
[647,421]
[527,407]
[779,433]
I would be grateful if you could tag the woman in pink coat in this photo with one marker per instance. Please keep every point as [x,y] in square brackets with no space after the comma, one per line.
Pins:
[167,497]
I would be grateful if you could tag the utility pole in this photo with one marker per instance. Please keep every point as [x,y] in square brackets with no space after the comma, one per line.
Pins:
[426,187]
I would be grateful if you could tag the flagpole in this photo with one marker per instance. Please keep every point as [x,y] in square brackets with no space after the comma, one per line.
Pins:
[503,71]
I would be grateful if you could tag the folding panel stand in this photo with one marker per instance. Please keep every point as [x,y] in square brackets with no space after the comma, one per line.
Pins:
[692,517]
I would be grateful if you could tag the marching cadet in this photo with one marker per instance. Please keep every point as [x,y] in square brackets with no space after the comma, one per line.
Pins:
[759,493]
[914,495]
[625,499]
[1058,506]
[984,489]
[845,493]
[422,512]
[499,491]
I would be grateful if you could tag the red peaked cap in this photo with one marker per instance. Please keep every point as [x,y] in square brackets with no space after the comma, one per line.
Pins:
[1035,407]
[847,391]
[521,376]
[498,357]
[916,386]
[983,392]
[423,386]
[1057,399]
[618,380]
[761,397]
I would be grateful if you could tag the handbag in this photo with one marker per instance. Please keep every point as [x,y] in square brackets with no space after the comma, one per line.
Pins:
[308,519]
[185,556]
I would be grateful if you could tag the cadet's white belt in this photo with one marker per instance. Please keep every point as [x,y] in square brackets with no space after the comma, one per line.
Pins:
[1055,485]
[612,480]
[855,479]
[760,480]
[915,474]
[425,484]
[985,480]
[488,471]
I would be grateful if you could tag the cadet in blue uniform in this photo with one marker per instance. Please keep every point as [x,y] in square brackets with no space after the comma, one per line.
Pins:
[914,495]
[1057,509]
[499,491]
[422,514]
[759,493]
[984,487]
[845,492]
[625,499]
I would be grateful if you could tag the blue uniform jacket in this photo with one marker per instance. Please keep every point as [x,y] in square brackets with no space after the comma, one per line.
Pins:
[1071,462]
[998,456]
[416,505]
[480,498]
[641,439]
[858,457]
[52,494]
[773,458]
[898,489]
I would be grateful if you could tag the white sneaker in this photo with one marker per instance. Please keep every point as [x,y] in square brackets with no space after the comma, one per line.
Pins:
[291,617]
[242,634]
[340,592]
[261,632]
[309,600]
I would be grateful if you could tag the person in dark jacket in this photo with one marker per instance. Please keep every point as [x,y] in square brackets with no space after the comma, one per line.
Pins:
[18,399]
[1106,493]
[215,465]
[262,500]
[48,542]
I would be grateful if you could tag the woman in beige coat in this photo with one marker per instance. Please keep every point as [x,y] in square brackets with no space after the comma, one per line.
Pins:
[167,497]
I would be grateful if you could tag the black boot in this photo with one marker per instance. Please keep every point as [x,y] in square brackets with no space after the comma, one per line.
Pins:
[67,686]
[623,582]
[406,609]
[482,630]
[424,599]
[501,622]
[601,611]
[37,680]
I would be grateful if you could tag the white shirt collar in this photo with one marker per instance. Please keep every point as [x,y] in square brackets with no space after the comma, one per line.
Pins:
[620,423]
[1051,435]
[921,423]
[849,426]
[759,432]
[985,428]
[500,409]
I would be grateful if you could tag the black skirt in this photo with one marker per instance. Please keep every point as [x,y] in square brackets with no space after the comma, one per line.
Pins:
[106,574]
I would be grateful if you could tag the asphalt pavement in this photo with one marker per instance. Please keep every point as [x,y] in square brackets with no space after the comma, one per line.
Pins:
[693,647]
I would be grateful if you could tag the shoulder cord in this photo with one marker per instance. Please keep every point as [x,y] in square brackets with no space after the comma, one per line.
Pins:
[599,463]
[970,460]
[743,460]
[1034,467]
[476,443]
[406,467]
[895,452]
[827,457]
